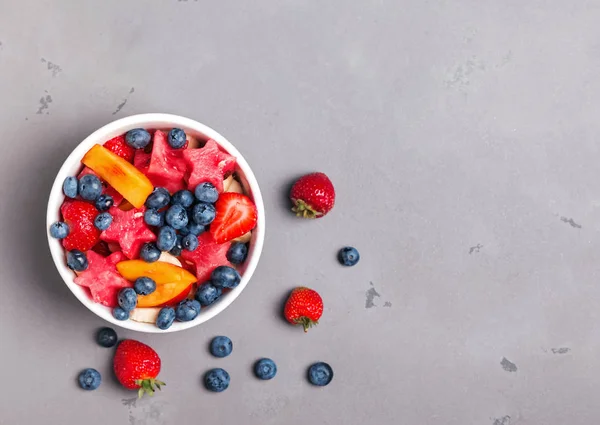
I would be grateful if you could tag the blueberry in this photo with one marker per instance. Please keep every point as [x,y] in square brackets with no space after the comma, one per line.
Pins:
[165,318]
[70,187]
[176,138]
[176,217]
[185,198]
[225,277]
[90,187]
[166,238]
[221,346]
[195,228]
[187,310]
[76,260]
[104,202]
[103,220]
[127,299]
[265,369]
[158,199]
[348,256]
[154,218]
[89,379]
[320,374]
[106,337]
[144,286]
[203,214]
[150,252]
[120,314]
[176,250]
[190,242]
[237,252]
[206,192]
[216,380]
[59,230]
[138,138]
[207,294]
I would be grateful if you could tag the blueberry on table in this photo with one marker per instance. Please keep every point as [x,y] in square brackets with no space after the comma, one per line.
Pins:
[176,217]
[154,218]
[167,237]
[70,187]
[106,337]
[89,379]
[237,253]
[265,369]
[144,286]
[150,252]
[187,310]
[104,202]
[76,260]
[158,199]
[320,374]
[90,187]
[185,198]
[225,277]
[165,318]
[176,138]
[203,213]
[190,242]
[216,380]
[221,346]
[207,294]
[127,299]
[206,192]
[103,220]
[348,256]
[120,314]
[59,230]
[138,138]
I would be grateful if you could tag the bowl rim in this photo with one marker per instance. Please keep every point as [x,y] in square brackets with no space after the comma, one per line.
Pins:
[158,121]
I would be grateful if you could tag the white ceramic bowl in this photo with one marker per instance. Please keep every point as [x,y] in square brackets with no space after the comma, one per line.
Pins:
[72,166]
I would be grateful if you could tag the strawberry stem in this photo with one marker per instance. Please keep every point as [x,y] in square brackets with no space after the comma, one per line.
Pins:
[148,386]
[306,323]
[302,209]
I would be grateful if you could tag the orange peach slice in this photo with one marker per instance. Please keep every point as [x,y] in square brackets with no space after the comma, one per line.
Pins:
[162,273]
[120,174]
[166,294]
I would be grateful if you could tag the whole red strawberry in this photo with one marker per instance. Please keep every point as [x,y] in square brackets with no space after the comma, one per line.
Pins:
[136,366]
[80,215]
[119,147]
[303,307]
[313,195]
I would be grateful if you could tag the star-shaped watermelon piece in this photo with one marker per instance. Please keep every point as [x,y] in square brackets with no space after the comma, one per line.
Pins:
[129,230]
[167,167]
[141,160]
[208,164]
[102,278]
[108,189]
[208,256]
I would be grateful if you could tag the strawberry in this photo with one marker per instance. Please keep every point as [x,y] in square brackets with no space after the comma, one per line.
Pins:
[136,367]
[235,216]
[80,217]
[118,146]
[303,307]
[313,195]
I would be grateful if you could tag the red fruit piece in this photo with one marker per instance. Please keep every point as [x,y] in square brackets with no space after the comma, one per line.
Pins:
[167,167]
[303,307]
[80,215]
[102,278]
[141,160]
[119,146]
[208,256]
[136,366]
[236,216]
[108,189]
[208,164]
[313,196]
[129,230]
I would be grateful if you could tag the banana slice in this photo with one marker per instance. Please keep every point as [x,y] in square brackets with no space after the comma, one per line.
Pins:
[244,238]
[227,182]
[193,143]
[168,258]
[145,315]
[234,186]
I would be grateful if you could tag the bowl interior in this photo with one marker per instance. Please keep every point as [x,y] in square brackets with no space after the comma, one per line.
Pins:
[72,166]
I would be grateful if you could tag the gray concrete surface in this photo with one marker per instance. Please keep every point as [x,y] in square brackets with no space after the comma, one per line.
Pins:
[462,137]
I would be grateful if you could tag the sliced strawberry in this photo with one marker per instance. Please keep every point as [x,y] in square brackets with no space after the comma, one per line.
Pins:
[102,278]
[80,215]
[129,230]
[208,164]
[119,146]
[236,216]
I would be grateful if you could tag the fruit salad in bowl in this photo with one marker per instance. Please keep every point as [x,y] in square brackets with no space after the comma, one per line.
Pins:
[156,222]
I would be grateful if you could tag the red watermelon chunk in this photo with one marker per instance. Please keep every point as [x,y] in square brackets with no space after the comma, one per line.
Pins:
[109,190]
[129,230]
[141,160]
[208,164]
[102,278]
[206,257]
[167,167]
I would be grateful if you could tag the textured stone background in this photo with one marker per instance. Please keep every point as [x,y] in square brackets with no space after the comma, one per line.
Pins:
[462,139]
